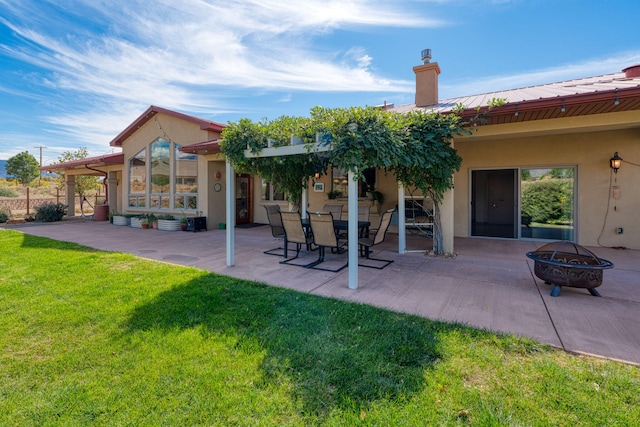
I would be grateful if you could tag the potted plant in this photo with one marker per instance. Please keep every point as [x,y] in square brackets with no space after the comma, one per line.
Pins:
[136,222]
[120,219]
[183,223]
[144,222]
[153,221]
[376,196]
[333,194]
[168,223]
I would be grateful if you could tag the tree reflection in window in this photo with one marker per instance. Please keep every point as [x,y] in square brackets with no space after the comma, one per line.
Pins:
[138,179]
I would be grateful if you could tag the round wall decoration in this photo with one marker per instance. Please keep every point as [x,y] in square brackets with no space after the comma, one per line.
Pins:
[217,187]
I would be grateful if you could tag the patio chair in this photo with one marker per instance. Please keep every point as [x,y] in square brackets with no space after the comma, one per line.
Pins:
[325,236]
[364,212]
[363,216]
[336,210]
[277,230]
[366,243]
[294,233]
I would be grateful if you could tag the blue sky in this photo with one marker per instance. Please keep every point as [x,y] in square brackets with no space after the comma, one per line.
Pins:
[76,73]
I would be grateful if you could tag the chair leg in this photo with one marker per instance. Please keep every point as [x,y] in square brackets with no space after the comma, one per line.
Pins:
[367,256]
[321,255]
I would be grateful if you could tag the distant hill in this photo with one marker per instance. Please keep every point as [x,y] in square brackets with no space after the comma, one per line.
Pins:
[3,172]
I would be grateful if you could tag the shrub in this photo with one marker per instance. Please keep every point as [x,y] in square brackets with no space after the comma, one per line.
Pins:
[49,212]
[7,192]
[4,214]
[548,201]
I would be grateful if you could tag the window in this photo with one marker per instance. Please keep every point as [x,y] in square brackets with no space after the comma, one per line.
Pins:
[547,205]
[173,182]
[186,180]
[340,182]
[160,160]
[138,180]
[268,193]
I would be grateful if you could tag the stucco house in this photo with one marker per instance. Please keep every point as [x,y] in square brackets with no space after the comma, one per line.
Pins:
[554,139]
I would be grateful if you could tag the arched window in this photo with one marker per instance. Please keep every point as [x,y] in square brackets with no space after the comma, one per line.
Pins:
[160,160]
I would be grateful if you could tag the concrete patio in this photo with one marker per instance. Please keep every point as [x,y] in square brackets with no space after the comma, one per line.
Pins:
[489,285]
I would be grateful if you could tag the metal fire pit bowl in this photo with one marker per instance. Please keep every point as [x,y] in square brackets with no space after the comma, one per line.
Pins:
[568,264]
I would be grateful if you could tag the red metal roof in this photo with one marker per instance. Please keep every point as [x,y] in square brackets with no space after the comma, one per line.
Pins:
[92,162]
[590,95]
[152,111]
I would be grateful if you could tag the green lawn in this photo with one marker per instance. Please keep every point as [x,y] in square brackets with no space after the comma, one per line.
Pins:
[99,338]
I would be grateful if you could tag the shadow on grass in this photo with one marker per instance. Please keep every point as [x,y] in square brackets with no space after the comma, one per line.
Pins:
[336,354]
[38,242]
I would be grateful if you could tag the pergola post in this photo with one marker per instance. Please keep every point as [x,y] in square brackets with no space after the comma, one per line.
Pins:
[304,203]
[352,192]
[112,191]
[447,221]
[402,235]
[70,196]
[230,213]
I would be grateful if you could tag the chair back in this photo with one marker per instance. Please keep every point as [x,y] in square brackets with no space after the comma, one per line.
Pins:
[275,220]
[324,232]
[363,212]
[336,210]
[385,220]
[292,224]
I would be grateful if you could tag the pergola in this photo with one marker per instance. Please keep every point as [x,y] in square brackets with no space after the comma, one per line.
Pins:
[352,195]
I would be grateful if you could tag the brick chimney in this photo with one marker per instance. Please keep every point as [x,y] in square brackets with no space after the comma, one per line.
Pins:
[426,81]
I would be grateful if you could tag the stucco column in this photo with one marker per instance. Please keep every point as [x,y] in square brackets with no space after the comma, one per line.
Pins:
[112,191]
[446,221]
[70,185]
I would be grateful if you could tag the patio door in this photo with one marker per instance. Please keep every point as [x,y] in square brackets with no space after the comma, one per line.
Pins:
[494,203]
[547,200]
[243,199]
[535,203]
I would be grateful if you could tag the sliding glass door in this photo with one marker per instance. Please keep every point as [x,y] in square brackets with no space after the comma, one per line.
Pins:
[547,204]
[532,203]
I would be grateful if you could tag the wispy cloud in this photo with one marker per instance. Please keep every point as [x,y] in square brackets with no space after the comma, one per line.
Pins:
[176,54]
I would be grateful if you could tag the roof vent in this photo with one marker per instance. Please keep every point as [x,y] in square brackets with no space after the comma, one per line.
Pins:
[426,56]
[631,72]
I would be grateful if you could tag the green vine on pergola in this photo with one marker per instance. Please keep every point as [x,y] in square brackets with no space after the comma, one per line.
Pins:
[415,146]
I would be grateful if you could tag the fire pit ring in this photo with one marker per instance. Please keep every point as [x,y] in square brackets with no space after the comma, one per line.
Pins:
[565,263]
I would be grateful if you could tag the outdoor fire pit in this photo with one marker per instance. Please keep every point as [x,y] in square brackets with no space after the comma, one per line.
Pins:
[568,264]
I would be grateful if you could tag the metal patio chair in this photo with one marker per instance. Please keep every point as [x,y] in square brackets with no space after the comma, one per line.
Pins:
[294,233]
[325,236]
[366,243]
[336,210]
[277,230]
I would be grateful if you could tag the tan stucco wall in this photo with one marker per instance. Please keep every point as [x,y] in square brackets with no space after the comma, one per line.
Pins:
[590,153]
[181,132]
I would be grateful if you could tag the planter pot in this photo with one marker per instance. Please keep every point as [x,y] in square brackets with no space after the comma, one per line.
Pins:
[120,220]
[145,226]
[135,223]
[169,224]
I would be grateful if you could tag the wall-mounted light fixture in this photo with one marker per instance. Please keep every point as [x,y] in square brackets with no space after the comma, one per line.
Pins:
[616,101]
[562,109]
[615,162]
[516,113]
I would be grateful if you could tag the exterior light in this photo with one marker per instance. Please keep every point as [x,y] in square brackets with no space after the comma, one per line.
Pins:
[615,162]
[562,109]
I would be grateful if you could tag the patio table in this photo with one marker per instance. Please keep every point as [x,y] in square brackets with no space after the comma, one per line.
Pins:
[343,225]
